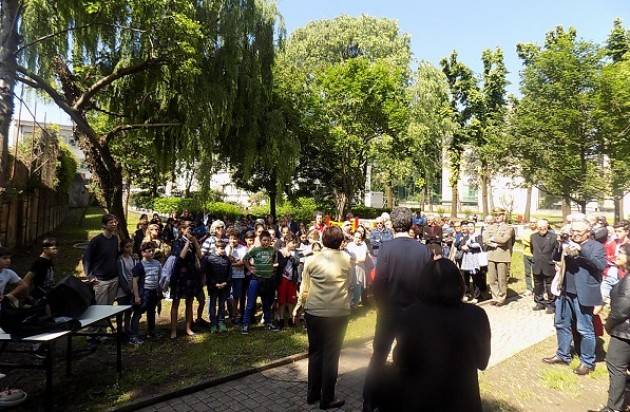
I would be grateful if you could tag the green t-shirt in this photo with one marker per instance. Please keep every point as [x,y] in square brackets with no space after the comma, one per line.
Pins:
[263,261]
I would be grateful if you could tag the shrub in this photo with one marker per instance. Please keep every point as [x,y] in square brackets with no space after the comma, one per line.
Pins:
[364,212]
[142,200]
[67,166]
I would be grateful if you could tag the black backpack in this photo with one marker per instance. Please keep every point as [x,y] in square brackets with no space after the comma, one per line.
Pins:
[70,297]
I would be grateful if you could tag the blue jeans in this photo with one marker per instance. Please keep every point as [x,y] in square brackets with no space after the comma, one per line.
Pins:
[148,304]
[220,295]
[567,309]
[266,294]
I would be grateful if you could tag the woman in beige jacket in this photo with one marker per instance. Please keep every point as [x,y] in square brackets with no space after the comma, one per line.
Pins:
[325,298]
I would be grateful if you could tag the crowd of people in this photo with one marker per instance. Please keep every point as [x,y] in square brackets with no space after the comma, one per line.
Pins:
[320,271]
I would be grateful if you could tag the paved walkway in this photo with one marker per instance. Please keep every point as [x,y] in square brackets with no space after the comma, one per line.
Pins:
[514,328]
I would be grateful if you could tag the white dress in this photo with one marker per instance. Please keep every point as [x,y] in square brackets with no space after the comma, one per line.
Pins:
[362,259]
[470,261]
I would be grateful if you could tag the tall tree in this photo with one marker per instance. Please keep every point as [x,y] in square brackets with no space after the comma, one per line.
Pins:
[613,100]
[463,92]
[136,62]
[430,125]
[488,125]
[10,12]
[556,116]
[355,70]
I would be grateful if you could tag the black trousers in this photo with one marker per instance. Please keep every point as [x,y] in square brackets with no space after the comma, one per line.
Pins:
[542,285]
[325,338]
[384,335]
[617,360]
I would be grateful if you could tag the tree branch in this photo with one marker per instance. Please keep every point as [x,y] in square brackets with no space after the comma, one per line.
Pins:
[109,79]
[125,127]
[38,82]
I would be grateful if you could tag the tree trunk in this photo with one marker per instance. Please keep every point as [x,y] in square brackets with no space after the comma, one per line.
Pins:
[483,182]
[528,204]
[454,200]
[8,64]
[582,206]
[618,201]
[127,196]
[566,207]
[341,202]
[389,193]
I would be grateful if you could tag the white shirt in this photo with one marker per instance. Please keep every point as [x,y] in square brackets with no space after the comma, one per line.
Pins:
[237,253]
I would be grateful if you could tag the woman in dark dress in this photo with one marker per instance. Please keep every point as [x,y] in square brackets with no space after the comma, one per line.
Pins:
[186,278]
[442,343]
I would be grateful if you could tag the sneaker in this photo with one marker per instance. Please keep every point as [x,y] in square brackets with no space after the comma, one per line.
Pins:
[135,340]
[550,310]
[214,329]
[245,330]
[222,328]
[272,328]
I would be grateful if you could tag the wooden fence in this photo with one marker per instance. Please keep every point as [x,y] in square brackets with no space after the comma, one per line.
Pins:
[26,214]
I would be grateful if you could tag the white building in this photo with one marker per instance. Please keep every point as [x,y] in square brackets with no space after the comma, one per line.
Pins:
[220,182]
[20,130]
[507,193]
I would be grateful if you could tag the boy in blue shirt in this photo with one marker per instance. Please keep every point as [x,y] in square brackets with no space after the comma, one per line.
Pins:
[146,276]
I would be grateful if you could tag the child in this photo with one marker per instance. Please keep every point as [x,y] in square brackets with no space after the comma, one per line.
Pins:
[126,263]
[9,277]
[237,252]
[286,265]
[146,275]
[41,276]
[262,282]
[218,270]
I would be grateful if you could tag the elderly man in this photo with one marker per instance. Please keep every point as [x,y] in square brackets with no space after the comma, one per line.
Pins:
[498,238]
[542,246]
[525,239]
[217,232]
[584,261]
[379,235]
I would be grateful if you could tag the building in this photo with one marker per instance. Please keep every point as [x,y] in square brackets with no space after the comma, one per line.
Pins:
[24,129]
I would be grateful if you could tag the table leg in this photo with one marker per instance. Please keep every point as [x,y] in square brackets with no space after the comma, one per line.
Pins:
[119,334]
[69,356]
[49,375]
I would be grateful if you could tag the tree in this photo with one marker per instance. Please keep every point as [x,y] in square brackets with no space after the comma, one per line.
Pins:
[463,91]
[613,101]
[490,124]
[354,74]
[430,124]
[555,119]
[10,11]
[135,62]
[360,102]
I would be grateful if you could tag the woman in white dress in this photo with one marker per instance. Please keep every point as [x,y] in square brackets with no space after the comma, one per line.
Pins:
[471,247]
[361,264]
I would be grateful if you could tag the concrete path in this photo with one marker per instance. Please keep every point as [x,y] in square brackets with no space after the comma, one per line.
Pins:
[514,328]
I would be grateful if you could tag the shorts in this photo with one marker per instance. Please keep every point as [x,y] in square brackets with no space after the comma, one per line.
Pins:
[237,287]
[287,292]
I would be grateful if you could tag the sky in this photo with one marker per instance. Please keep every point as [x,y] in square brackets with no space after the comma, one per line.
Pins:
[468,26]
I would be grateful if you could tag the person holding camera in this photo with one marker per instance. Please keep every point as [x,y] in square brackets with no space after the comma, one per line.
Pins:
[584,261]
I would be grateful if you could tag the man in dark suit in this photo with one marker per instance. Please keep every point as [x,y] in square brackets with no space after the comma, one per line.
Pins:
[543,244]
[398,267]
[584,261]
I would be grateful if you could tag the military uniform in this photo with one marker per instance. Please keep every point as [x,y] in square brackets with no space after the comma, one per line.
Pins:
[498,240]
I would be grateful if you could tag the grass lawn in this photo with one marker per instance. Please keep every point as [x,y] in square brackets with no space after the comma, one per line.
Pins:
[163,365]
[157,366]
[524,383]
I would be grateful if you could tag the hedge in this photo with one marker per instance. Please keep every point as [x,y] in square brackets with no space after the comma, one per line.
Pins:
[302,209]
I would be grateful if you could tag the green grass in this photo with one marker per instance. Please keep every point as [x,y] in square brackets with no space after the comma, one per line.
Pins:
[161,365]
[560,379]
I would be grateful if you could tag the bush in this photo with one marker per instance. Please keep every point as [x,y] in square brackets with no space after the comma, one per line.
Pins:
[142,200]
[67,167]
[221,209]
[301,210]
[368,212]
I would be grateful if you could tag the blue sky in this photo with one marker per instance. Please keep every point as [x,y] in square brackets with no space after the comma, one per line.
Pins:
[468,26]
